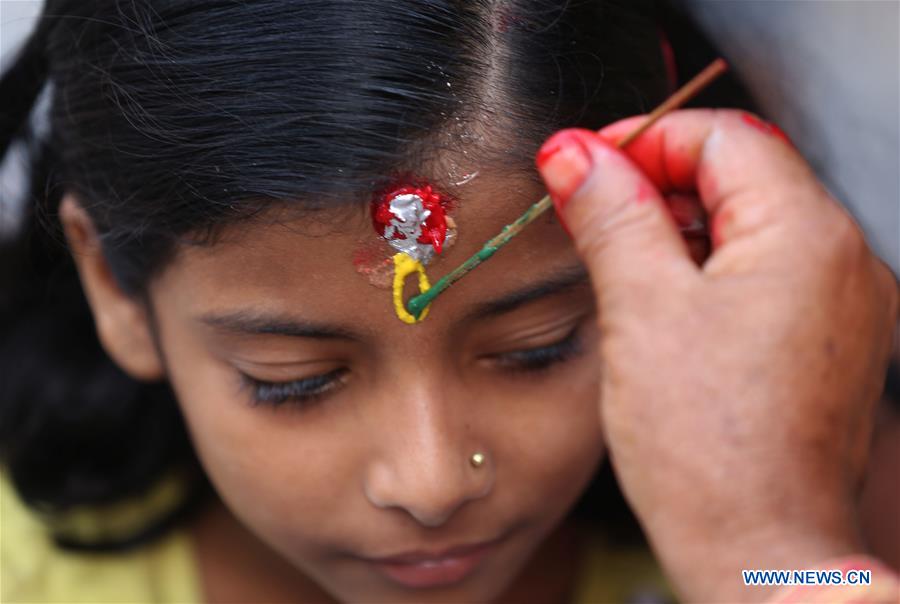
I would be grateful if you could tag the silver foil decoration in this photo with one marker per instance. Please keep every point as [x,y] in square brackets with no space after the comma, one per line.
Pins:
[409,216]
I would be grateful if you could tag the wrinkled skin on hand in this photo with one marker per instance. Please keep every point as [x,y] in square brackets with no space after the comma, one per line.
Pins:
[737,396]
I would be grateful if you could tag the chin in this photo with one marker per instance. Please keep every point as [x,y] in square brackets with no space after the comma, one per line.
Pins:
[476,590]
[357,580]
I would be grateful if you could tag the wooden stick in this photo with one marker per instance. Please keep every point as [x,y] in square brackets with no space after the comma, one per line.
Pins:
[418,304]
[681,96]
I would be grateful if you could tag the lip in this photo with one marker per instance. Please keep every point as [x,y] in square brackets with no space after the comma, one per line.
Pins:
[420,569]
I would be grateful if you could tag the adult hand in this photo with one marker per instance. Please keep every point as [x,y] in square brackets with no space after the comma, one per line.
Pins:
[737,395]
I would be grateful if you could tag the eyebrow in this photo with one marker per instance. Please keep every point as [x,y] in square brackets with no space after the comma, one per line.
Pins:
[260,323]
[563,279]
[257,323]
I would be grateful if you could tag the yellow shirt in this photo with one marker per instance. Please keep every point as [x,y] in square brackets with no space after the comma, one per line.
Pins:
[33,569]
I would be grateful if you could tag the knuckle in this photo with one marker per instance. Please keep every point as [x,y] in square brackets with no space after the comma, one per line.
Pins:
[847,237]
[838,240]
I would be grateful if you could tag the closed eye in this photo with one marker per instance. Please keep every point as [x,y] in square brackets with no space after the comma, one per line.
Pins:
[297,392]
[542,357]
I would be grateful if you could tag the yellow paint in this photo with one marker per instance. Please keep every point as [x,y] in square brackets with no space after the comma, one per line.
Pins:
[404,265]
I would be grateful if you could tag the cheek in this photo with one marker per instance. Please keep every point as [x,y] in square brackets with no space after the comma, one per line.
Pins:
[551,440]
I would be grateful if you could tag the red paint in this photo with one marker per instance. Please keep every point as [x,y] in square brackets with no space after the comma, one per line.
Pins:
[670,166]
[669,64]
[765,127]
[782,135]
[547,151]
[649,153]
[366,256]
[374,260]
[434,229]
[566,176]
[680,167]
[754,122]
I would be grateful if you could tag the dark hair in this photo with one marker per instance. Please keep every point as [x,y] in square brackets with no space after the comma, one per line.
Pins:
[171,118]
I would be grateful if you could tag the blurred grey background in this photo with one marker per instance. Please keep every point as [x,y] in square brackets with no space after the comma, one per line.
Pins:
[827,72]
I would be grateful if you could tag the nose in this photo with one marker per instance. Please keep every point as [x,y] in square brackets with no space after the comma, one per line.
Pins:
[425,462]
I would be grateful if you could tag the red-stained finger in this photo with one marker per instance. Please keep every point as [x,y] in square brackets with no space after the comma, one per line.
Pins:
[741,168]
[620,222]
[669,151]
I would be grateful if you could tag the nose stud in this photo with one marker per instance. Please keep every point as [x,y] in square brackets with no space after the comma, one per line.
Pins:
[477,460]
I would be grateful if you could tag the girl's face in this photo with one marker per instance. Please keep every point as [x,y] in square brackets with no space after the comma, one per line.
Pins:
[361,450]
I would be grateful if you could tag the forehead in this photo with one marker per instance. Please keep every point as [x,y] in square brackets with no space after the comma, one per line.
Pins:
[304,265]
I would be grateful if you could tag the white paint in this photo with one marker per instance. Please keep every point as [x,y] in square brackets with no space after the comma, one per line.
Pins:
[466,179]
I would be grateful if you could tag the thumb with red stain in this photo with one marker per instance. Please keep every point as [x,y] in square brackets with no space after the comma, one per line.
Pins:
[615,214]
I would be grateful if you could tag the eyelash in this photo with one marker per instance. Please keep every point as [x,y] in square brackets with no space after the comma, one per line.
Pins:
[537,360]
[301,393]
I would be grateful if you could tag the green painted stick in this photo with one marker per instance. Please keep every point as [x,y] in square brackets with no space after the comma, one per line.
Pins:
[418,304]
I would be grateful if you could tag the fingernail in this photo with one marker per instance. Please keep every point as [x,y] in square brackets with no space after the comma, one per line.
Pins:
[564,163]
[766,127]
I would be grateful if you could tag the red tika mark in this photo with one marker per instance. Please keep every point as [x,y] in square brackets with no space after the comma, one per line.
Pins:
[434,228]
[766,127]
